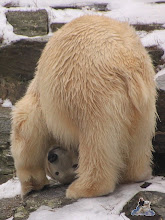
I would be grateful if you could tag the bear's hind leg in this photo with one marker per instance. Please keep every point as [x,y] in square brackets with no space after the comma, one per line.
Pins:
[99,163]
[29,143]
[140,156]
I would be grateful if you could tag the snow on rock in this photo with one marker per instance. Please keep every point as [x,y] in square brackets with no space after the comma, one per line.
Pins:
[11,218]
[7,103]
[135,11]
[51,3]
[160,79]
[107,207]
[156,37]
[10,189]
[6,29]
[67,15]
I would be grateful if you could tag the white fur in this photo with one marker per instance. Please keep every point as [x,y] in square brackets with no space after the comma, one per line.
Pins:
[93,88]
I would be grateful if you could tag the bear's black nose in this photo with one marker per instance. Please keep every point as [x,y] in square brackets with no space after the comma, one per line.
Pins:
[52,157]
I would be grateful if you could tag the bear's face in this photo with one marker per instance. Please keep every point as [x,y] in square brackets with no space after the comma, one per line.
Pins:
[61,165]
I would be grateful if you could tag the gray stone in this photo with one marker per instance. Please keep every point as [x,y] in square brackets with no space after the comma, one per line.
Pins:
[148,27]
[157,200]
[161,111]
[18,63]
[80,5]
[29,23]
[160,2]
[156,54]
[55,26]
[161,81]
[12,88]
[159,139]
[6,160]
[1,40]
[4,126]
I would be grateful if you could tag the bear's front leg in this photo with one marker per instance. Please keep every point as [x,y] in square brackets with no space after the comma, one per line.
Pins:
[29,141]
[98,170]
[31,179]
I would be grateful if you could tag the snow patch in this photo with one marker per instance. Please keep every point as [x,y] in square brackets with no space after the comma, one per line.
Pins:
[107,207]
[11,218]
[7,103]
[51,3]
[135,11]
[10,189]
[156,37]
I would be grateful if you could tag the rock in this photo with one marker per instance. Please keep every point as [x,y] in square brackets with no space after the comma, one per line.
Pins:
[161,111]
[81,5]
[4,126]
[159,168]
[22,56]
[157,200]
[148,27]
[156,54]
[1,40]
[53,197]
[98,7]
[6,160]
[29,23]
[160,2]
[12,89]
[21,212]
[161,80]
[55,26]
[159,139]
[18,63]
[159,142]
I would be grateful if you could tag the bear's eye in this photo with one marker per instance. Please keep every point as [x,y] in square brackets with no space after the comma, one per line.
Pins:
[57,173]
[75,166]
[52,157]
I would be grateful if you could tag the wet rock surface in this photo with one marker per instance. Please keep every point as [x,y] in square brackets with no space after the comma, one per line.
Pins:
[18,63]
[157,200]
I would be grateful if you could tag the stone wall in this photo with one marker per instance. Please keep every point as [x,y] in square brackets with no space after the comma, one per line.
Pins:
[18,62]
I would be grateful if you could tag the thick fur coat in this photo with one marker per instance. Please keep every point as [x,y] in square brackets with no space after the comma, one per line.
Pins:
[94,91]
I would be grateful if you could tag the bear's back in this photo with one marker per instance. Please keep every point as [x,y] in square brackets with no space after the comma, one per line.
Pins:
[92,59]
[92,42]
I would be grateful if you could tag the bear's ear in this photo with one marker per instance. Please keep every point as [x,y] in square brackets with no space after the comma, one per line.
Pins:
[52,157]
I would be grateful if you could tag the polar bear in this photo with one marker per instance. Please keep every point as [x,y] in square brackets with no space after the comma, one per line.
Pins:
[94,92]
[61,164]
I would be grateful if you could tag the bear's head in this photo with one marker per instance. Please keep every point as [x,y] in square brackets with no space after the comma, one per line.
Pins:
[61,165]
